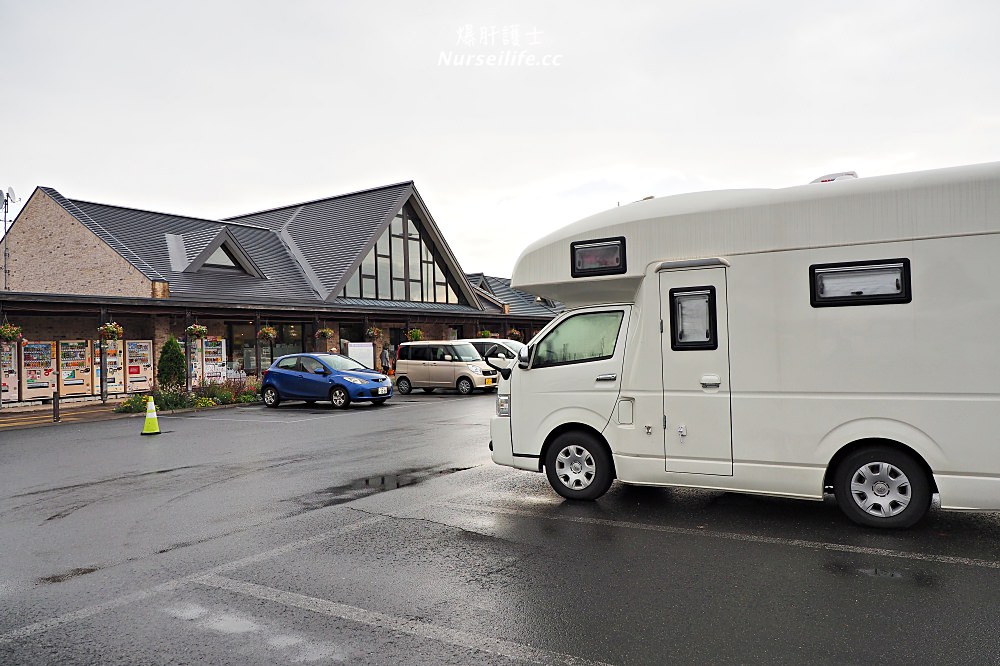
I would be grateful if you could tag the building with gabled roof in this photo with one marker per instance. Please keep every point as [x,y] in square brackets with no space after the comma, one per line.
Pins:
[372,261]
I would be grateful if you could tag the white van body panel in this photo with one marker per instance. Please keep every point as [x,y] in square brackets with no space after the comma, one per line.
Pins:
[804,382]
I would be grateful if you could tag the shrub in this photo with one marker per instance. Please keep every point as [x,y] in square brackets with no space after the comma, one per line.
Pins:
[173,398]
[170,369]
[415,335]
[246,398]
[133,404]
[204,402]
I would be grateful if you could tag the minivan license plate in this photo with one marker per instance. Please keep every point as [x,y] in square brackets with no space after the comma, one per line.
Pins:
[489,380]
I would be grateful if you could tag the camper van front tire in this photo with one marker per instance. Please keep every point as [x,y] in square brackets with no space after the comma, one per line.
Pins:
[578,466]
[882,487]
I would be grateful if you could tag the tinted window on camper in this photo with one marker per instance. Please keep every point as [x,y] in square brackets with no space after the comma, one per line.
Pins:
[860,283]
[581,338]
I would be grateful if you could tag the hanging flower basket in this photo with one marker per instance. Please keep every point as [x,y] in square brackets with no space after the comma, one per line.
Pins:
[324,333]
[374,332]
[414,335]
[110,331]
[516,335]
[10,333]
[485,333]
[196,331]
[267,334]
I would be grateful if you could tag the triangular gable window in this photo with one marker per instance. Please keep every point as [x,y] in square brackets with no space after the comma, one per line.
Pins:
[404,265]
[222,258]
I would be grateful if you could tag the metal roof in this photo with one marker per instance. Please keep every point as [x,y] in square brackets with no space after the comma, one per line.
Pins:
[522,304]
[332,234]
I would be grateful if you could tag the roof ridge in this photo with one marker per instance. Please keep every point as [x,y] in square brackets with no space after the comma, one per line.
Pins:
[160,212]
[307,203]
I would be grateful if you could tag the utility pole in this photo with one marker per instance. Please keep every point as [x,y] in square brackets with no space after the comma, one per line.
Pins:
[8,199]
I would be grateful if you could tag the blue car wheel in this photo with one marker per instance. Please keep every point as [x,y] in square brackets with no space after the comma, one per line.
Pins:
[339,397]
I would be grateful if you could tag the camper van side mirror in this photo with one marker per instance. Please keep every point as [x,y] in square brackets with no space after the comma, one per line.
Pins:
[523,357]
[503,370]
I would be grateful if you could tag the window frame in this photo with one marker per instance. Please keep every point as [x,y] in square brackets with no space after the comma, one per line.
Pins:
[906,289]
[591,272]
[713,320]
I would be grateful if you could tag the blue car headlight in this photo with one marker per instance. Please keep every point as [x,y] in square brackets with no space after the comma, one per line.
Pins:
[354,380]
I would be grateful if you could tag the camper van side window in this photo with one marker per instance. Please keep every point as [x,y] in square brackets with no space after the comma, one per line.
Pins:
[585,337]
[860,283]
[692,319]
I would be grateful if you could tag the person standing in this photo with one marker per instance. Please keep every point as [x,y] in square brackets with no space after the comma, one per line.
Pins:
[384,359]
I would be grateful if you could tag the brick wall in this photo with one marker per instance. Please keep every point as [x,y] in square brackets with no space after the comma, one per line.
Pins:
[52,253]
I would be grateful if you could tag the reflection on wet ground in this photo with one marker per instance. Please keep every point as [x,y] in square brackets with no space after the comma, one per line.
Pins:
[370,485]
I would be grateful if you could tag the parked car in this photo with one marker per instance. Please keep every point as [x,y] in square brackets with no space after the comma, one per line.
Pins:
[505,353]
[334,377]
[448,364]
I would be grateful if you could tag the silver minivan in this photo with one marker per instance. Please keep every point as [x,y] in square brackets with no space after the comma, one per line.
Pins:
[447,364]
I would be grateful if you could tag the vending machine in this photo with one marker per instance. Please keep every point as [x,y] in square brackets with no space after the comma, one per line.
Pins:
[38,370]
[76,370]
[113,360]
[138,365]
[195,370]
[8,372]
[214,359]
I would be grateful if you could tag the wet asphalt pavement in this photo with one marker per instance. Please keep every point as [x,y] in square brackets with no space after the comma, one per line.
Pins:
[385,536]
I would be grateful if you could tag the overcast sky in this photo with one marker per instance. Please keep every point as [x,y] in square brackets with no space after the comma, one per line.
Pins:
[214,109]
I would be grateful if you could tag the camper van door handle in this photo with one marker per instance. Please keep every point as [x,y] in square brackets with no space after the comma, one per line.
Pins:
[711,382]
[607,378]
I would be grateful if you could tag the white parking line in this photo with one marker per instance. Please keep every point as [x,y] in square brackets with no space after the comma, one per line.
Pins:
[736,536]
[401,625]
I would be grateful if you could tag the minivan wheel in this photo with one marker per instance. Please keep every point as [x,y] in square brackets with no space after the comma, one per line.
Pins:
[271,397]
[882,487]
[465,386]
[339,397]
[578,466]
[403,385]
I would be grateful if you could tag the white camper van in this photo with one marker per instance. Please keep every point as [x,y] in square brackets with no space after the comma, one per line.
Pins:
[836,337]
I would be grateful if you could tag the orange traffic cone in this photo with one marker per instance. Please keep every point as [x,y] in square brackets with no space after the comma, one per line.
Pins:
[152,426]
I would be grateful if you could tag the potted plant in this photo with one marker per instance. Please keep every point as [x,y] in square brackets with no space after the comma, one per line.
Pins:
[516,335]
[374,332]
[196,331]
[112,330]
[10,333]
[414,335]
[267,333]
[485,333]
[324,333]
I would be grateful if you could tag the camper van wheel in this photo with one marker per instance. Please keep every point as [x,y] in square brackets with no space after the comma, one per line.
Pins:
[271,397]
[882,487]
[578,466]
[403,385]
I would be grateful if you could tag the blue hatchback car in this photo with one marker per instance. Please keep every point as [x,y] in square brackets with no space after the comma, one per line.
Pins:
[311,377]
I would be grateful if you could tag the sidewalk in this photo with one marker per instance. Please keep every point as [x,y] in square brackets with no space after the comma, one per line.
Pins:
[70,411]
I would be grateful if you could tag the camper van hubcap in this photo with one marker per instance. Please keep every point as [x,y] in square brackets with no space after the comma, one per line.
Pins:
[880,489]
[575,467]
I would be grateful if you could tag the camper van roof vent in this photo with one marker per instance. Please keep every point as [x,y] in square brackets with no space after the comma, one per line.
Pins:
[830,177]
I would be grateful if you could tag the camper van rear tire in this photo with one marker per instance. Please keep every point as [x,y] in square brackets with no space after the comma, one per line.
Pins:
[882,487]
[578,466]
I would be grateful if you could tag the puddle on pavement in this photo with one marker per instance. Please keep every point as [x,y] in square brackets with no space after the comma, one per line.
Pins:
[919,578]
[369,486]
[72,573]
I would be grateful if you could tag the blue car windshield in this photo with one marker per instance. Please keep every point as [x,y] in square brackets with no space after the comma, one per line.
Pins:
[339,362]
